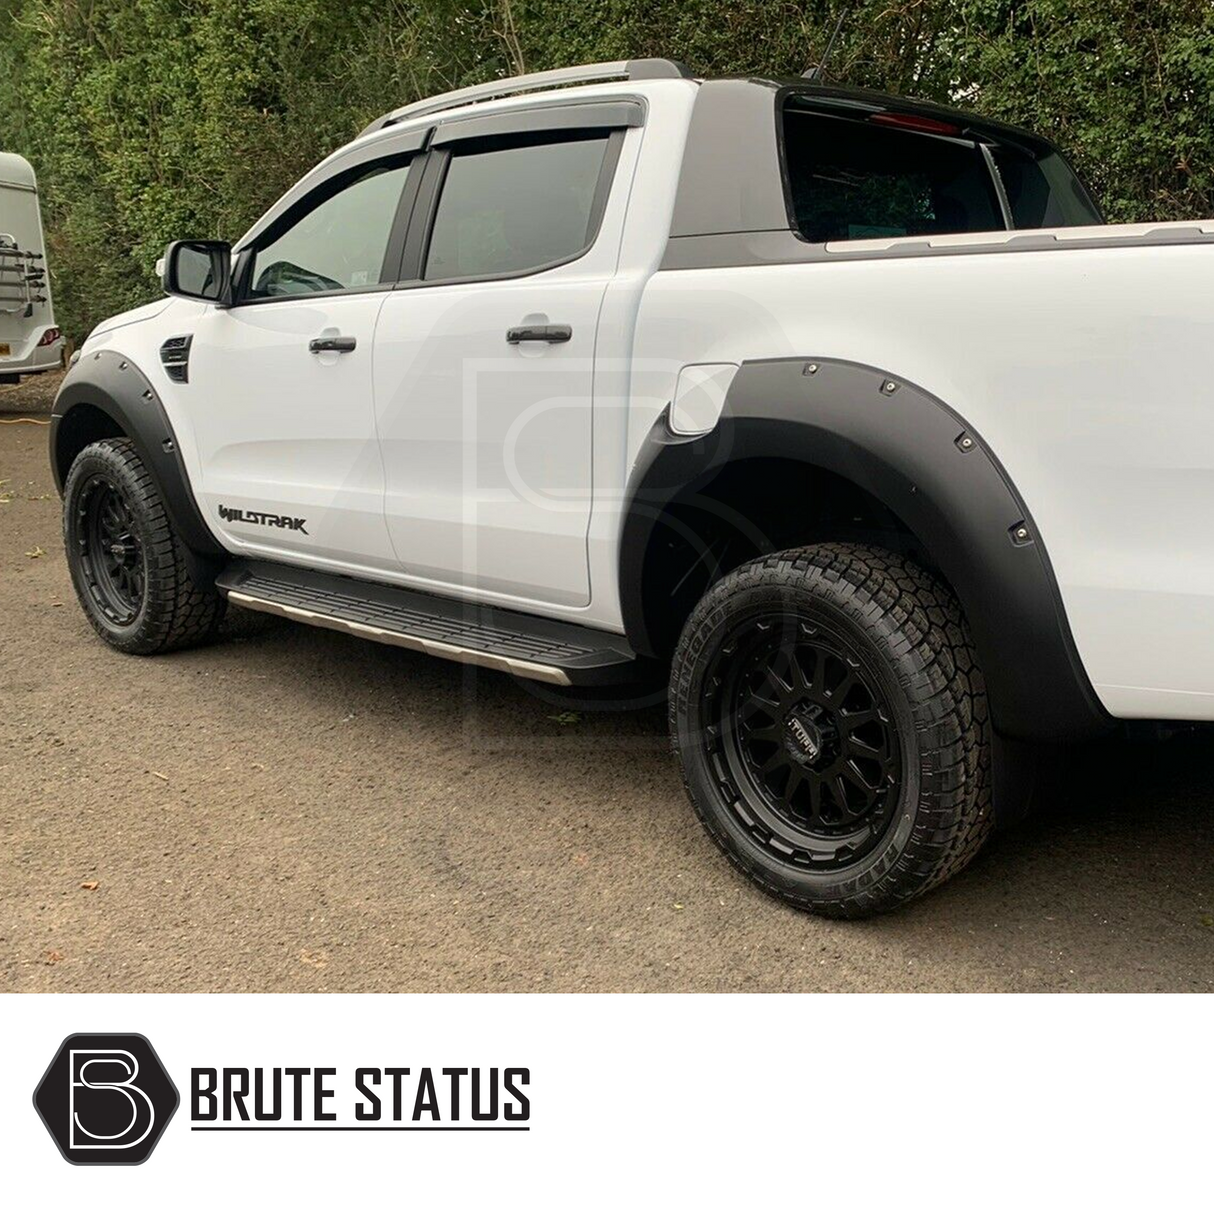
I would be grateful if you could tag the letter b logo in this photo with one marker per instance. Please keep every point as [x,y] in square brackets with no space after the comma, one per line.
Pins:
[106,1098]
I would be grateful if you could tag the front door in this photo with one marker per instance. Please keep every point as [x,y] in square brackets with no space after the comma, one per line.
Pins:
[285,424]
[484,369]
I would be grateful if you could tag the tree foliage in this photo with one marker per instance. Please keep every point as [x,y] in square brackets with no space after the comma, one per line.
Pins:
[149,120]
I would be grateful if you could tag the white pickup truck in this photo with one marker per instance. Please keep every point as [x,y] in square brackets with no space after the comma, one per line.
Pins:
[843,412]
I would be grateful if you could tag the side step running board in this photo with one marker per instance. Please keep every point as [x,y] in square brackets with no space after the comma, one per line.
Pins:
[548,651]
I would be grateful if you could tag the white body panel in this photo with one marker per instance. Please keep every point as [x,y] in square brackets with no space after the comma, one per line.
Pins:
[21,223]
[279,428]
[1081,369]
[487,446]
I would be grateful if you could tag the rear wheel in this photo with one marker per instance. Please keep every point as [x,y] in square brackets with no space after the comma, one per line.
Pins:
[831,722]
[128,565]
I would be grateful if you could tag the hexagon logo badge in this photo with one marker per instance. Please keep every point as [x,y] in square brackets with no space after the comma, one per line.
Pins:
[106,1098]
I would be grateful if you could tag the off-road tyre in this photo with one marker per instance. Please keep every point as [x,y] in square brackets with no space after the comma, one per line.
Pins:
[899,633]
[150,604]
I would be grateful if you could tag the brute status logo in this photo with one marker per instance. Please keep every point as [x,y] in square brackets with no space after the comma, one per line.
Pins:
[106,1098]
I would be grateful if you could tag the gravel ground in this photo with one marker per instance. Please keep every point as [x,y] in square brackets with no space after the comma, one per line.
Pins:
[293,810]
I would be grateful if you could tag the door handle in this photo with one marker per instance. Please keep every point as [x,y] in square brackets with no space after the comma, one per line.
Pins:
[340,345]
[548,333]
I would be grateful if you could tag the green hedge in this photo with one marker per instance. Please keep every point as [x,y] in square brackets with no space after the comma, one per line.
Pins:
[154,119]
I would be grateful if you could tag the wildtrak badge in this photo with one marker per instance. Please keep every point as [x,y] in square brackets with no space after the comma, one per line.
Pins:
[231,514]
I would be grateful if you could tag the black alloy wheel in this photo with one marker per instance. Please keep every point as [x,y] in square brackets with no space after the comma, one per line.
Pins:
[801,728]
[110,551]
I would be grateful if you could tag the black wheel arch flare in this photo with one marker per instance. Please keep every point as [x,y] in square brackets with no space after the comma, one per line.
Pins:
[110,383]
[918,458]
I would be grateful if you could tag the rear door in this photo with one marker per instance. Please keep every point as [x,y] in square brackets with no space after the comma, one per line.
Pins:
[484,363]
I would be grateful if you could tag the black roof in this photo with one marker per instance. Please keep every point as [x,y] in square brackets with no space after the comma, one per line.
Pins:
[871,101]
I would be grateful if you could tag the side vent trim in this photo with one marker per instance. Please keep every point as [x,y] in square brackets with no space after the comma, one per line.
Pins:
[175,357]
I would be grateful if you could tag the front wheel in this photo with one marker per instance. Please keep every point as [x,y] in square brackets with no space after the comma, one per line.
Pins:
[127,563]
[831,722]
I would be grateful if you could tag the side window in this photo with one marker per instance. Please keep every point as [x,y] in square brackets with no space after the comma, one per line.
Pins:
[855,180]
[507,210]
[338,245]
[1043,192]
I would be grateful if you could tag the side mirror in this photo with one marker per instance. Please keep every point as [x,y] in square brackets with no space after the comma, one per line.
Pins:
[199,269]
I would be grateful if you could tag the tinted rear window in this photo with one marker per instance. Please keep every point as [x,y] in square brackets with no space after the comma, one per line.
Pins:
[1043,193]
[515,209]
[854,180]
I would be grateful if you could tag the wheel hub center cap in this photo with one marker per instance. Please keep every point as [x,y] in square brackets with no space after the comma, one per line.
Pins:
[805,736]
[811,735]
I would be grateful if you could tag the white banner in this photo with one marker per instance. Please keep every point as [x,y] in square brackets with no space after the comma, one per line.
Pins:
[598,1102]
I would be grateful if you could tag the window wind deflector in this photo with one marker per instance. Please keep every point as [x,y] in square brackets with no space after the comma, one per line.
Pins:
[580,116]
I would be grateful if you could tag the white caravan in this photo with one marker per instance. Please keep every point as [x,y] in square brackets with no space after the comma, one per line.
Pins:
[29,338]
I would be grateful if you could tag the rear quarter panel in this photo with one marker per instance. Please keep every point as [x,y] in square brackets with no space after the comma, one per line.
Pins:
[1082,369]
